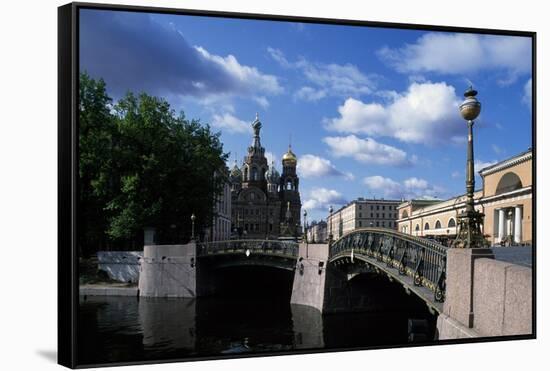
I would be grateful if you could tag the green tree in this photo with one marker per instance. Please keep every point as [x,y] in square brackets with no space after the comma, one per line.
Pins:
[96,129]
[149,168]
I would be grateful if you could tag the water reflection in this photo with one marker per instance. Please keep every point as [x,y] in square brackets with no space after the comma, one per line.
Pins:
[126,329]
[167,324]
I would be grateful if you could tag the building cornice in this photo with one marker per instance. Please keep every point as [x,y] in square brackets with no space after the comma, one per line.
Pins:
[514,193]
[526,156]
[461,204]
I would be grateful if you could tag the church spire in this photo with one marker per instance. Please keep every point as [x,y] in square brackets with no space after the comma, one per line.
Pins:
[256,126]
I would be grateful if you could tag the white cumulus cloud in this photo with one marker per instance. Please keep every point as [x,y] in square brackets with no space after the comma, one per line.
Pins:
[250,78]
[310,94]
[461,53]
[527,97]
[231,123]
[480,165]
[322,198]
[368,151]
[311,166]
[426,113]
[411,188]
[330,79]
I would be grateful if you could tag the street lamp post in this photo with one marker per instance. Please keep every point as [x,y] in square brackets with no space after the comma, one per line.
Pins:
[305,231]
[470,220]
[305,225]
[193,226]
[330,210]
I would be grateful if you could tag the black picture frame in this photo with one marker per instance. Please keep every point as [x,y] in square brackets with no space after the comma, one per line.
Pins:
[68,87]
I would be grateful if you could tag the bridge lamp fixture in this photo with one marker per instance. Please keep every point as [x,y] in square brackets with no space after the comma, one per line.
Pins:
[321,267]
[193,217]
[470,221]
[247,253]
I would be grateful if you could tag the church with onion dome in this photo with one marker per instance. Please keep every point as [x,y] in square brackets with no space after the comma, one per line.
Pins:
[264,202]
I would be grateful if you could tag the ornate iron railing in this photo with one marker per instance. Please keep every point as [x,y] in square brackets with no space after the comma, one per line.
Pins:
[287,249]
[421,259]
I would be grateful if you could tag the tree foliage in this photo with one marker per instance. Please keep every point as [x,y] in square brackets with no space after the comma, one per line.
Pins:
[141,165]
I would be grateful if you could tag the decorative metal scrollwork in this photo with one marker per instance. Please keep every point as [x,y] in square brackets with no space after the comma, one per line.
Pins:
[418,270]
[370,241]
[420,259]
[441,283]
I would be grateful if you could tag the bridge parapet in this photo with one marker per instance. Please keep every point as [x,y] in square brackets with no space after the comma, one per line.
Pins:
[422,260]
[288,249]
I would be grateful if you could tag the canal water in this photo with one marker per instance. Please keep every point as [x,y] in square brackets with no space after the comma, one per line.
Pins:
[125,329]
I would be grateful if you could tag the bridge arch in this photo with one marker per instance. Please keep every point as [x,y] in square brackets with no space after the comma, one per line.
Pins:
[418,264]
[238,253]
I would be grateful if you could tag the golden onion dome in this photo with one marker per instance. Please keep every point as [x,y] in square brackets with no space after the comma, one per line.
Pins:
[290,157]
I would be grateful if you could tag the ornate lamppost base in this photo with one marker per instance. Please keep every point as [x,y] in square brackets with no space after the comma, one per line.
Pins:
[469,233]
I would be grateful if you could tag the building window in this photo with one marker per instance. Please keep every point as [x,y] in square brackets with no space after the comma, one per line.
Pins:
[426,226]
[451,223]
[383,224]
[417,228]
[437,224]
[371,207]
[371,215]
[359,207]
[377,207]
[377,215]
[383,215]
[378,224]
[360,215]
[383,207]
[360,223]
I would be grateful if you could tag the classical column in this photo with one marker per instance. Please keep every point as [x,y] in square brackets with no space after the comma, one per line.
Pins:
[501,224]
[517,224]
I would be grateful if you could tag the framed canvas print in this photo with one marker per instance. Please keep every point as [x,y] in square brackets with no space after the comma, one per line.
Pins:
[235,185]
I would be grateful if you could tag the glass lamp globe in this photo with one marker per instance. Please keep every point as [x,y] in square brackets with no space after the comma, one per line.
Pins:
[470,108]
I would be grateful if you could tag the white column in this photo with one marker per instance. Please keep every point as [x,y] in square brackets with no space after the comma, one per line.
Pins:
[517,224]
[501,224]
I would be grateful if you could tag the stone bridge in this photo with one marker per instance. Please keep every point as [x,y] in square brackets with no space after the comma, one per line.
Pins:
[353,274]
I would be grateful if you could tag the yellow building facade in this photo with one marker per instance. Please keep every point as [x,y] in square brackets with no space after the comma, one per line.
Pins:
[505,199]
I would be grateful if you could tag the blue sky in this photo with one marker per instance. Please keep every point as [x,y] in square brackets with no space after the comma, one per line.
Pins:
[371,112]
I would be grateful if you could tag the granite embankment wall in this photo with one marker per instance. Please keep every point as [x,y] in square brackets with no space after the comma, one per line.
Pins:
[485,297]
